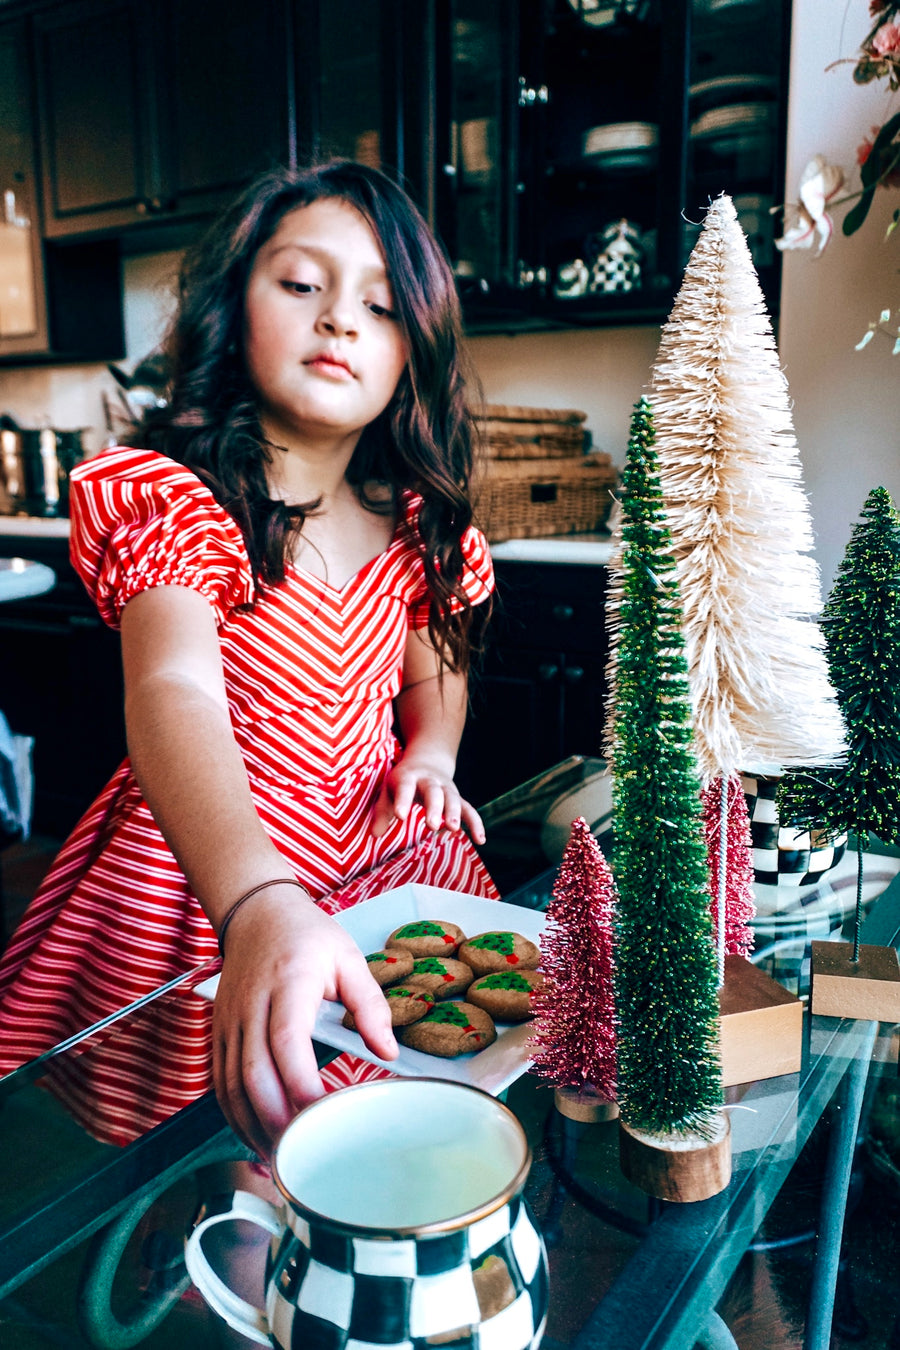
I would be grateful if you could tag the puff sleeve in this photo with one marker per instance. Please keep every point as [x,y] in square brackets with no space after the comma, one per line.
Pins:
[477,580]
[140,520]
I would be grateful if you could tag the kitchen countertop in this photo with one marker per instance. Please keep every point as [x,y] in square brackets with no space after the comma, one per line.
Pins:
[35,527]
[595,549]
[565,548]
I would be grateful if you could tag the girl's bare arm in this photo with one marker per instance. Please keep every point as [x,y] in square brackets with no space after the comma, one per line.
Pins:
[282,954]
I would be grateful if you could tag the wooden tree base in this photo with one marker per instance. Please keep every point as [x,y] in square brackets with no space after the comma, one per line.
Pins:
[868,989]
[584,1104]
[760,1025]
[682,1169]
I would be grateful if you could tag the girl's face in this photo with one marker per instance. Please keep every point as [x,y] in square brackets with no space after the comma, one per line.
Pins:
[323,348]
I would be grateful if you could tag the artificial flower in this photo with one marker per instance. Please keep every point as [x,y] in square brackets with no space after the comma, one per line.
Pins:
[886,39]
[808,220]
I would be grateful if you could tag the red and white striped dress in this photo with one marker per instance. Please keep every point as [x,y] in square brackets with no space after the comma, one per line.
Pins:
[311,672]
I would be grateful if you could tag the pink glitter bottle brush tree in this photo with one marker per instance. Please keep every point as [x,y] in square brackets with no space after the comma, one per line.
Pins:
[574,1039]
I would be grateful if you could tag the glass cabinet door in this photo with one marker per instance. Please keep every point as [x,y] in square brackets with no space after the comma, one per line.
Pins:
[352,88]
[606,69]
[736,113]
[476,175]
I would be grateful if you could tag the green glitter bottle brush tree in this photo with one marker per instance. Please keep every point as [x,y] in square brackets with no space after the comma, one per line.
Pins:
[861,620]
[666,986]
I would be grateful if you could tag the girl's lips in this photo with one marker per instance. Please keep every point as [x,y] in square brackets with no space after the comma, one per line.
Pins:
[333,369]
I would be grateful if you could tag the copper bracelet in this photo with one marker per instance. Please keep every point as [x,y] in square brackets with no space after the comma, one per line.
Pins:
[254,890]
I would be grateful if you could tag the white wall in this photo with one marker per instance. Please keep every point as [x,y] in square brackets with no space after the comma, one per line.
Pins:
[846,403]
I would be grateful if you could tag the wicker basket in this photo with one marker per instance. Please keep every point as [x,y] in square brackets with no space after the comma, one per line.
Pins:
[533,498]
[532,433]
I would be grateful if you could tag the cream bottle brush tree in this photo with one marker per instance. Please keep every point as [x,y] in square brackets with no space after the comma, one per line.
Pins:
[740,524]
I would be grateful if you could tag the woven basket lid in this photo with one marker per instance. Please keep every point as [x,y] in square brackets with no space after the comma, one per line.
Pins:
[506,412]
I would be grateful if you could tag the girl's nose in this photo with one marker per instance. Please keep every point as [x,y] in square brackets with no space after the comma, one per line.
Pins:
[338,318]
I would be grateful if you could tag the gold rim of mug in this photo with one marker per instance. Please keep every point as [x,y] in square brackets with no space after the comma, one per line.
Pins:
[415,1230]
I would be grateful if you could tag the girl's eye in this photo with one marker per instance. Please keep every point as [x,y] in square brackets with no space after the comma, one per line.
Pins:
[299,287]
[382,311]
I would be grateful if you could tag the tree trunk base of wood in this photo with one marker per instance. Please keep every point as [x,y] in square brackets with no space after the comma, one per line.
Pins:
[760,1025]
[584,1104]
[868,989]
[679,1168]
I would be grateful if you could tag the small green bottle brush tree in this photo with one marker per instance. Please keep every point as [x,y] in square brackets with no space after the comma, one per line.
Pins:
[669,1083]
[861,620]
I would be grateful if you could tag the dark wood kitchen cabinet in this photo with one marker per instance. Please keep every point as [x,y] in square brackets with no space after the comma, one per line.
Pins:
[554,120]
[61,682]
[156,112]
[538,688]
[152,110]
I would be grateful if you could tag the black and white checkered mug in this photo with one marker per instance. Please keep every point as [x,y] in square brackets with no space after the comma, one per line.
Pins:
[403,1223]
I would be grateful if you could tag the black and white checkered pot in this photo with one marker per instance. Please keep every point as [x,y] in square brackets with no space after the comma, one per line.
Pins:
[783,856]
[475,1279]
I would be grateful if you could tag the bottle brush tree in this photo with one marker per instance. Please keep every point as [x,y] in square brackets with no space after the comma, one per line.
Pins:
[741,535]
[574,1038]
[665,964]
[861,621]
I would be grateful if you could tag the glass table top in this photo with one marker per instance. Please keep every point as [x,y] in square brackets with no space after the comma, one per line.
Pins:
[625,1271]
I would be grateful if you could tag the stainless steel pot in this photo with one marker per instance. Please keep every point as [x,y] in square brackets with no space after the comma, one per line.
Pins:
[35,468]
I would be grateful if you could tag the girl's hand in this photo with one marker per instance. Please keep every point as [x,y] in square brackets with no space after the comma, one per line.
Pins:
[413,779]
[281,959]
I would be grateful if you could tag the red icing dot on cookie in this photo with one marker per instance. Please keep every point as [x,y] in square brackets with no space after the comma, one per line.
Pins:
[448,979]
[513,959]
[448,939]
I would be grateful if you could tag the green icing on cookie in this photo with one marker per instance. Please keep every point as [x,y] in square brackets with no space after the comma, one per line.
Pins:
[447,1013]
[494,942]
[381,957]
[422,928]
[401,991]
[429,965]
[505,979]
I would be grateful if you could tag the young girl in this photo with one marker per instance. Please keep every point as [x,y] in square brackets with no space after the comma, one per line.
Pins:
[291,560]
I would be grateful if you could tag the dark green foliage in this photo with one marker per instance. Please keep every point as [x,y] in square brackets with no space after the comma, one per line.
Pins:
[861,621]
[666,976]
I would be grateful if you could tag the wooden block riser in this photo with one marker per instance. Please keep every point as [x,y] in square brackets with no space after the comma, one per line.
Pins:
[868,989]
[760,1025]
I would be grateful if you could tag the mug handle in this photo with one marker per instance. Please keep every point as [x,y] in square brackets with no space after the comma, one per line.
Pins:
[236,1311]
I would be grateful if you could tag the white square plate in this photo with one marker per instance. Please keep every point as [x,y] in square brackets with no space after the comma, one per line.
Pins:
[370,923]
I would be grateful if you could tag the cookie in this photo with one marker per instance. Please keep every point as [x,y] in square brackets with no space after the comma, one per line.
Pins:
[487,952]
[406,1005]
[450,1029]
[442,976]
[427,937]
[387,967]
[506,994]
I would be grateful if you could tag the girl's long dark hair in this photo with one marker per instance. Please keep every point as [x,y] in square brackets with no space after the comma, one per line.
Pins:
[423,440]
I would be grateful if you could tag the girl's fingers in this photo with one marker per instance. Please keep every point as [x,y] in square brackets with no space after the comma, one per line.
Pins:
[362,997]
[405,787]
[234,1101]
[433,796]
[452,807]
[382,812]
[291,1021]
[472,822]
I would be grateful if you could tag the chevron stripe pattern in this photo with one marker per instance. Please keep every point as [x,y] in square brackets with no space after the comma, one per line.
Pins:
[311,671]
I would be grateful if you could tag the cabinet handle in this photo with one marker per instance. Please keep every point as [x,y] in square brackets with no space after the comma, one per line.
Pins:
[547,671]
[529,95]
[572,674]
[563,612]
